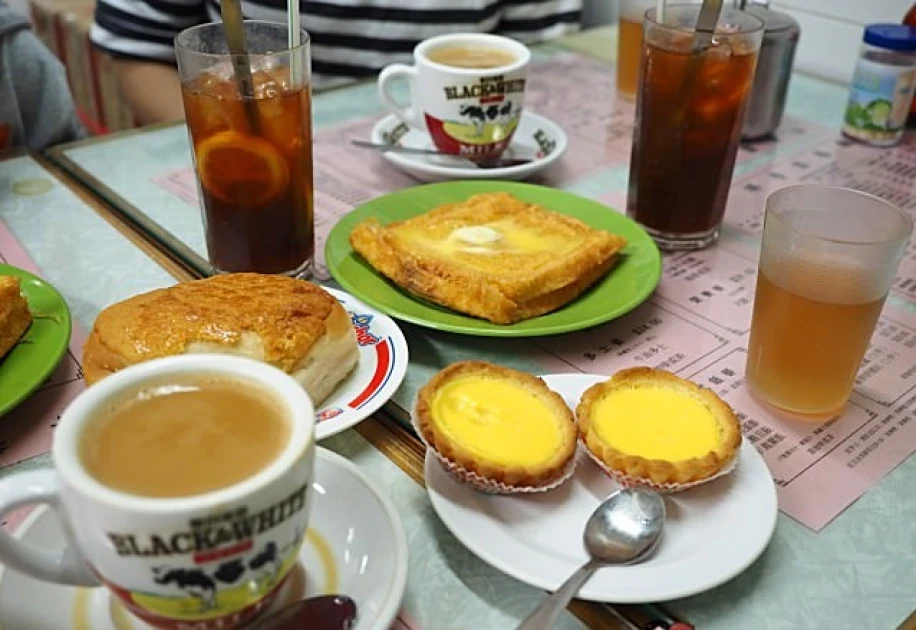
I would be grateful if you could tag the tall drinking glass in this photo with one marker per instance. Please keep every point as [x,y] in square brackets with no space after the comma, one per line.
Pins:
[629,45]
[689,113]
[253,152]
[828,259]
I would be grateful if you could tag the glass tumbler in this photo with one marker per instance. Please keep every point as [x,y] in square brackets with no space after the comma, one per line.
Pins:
[828,259]
[629,45]
[250,126]
[689,113]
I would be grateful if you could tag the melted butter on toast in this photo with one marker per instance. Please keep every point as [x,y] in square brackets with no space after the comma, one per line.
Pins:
[482,235]
[501,237]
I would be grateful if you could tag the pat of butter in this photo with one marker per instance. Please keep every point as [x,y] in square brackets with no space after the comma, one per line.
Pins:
[477,235]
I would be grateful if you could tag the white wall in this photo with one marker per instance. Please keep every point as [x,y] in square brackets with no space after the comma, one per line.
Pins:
[832,31]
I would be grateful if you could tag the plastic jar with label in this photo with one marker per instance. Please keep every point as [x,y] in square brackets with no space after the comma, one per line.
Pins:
[883,85]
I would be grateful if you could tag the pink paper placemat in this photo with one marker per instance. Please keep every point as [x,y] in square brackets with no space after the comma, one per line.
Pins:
[26,431]
[698,321]
[405,622]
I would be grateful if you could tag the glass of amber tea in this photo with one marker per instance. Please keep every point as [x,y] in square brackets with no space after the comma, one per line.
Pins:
[252,146]
[629,45]
[689,112]
[828,259]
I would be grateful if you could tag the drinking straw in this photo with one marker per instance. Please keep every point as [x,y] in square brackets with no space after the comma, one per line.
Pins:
[660,11]
[292,14]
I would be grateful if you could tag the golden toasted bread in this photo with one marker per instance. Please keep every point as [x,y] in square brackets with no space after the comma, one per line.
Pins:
[493,256]
[14,314]
[291,324]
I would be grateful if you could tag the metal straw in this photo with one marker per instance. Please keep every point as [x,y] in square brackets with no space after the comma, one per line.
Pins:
[234,27]
[293,24]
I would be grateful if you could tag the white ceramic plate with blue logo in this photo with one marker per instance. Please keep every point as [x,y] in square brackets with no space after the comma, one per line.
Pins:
[380,371]
[537,137]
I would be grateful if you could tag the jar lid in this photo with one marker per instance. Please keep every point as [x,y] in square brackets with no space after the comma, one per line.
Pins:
[891,36]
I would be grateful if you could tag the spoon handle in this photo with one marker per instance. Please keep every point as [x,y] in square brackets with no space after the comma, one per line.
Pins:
[545,616]
[394,148]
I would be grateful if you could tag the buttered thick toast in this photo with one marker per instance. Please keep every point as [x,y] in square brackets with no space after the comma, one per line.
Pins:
[492,256]
[14,314]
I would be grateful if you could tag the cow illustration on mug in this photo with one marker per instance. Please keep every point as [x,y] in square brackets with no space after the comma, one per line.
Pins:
[480,114]
[192,582]
[262,569]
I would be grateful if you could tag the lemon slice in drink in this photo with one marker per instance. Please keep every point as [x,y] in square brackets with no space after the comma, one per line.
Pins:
[241,170]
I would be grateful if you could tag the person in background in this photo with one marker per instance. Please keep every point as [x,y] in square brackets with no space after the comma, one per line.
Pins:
[36,107]
[351,39]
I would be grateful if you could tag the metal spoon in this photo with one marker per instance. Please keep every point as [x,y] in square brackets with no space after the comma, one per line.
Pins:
[624,529]
[327,612]
[234,28]
[394,148]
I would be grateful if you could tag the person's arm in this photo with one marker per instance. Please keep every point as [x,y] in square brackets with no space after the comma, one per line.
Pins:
[42,93]
[140,35]
[532,21]
[151,89]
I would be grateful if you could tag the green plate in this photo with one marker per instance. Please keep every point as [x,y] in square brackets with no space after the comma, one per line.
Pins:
[32,360]
[625,287]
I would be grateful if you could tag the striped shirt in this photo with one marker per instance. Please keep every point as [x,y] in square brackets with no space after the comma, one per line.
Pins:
[351,39]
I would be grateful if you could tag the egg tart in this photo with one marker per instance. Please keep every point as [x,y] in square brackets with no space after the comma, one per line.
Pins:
[500,429]
[650,427]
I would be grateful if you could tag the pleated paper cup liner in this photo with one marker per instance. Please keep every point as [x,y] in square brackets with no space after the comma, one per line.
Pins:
[489,486]
[629,481]
[483,484]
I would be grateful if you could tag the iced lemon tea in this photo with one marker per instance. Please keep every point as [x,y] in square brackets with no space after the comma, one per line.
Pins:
[689,114]
[828,259]
[253,152]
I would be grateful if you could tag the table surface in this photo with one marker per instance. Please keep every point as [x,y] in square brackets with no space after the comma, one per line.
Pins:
[856,573]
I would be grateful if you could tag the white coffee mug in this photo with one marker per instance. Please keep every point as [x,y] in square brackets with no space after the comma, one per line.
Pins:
[466,111]
[208,561]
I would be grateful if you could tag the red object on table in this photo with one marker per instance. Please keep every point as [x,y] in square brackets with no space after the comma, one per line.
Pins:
[910,20]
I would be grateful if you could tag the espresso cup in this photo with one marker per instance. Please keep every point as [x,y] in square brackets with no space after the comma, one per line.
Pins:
[206,561]
[466,90]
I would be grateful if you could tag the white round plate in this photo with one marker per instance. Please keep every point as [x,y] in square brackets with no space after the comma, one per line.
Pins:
[713,532]
[535,136]
[355,545]
[381,368]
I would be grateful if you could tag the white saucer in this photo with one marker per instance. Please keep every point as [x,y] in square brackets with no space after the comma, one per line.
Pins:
[713,532]
[355,545]
[380,371]
[434,168]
